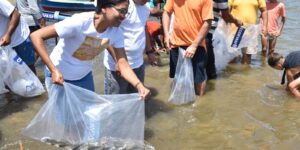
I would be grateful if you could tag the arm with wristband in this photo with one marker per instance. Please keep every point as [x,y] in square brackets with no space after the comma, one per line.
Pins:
[128,74]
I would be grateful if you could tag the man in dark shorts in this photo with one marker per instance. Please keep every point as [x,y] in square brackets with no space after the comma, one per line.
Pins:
[192,20]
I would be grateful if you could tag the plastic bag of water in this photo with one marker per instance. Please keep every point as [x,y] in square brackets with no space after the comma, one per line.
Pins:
[17,75]
[227,45]
[4,70]
[182,91]
[76,116]
[2,87]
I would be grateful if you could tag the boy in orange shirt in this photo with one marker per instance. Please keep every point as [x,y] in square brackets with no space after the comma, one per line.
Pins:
[275,10]
[192,21]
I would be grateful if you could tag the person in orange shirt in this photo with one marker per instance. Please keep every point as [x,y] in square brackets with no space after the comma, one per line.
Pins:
[192,21]
[275,10]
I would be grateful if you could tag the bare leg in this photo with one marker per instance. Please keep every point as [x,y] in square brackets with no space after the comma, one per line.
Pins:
[200,88]
[246,58]
[272,45]
[248,61]
[264,44]
[244,50]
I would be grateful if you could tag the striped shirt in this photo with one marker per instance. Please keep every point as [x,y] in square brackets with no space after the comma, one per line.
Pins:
[218,6]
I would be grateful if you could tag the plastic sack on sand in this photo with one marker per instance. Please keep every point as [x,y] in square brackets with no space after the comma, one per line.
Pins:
[182,90]
[4,70]
[2,87]
[4,64]
[3,61]
[17,75]
[76,116]
[223,38]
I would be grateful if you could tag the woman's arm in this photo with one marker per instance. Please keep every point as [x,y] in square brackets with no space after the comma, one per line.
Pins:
[38,38]
[128,74]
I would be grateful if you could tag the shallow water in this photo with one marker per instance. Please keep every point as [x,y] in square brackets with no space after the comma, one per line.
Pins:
[245,108]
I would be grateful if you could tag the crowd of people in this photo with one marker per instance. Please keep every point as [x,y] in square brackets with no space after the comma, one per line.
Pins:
[126,29]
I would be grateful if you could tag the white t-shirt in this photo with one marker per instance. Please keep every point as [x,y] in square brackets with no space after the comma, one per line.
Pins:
[21,32]
[80,43]
[30,11]
[133,27]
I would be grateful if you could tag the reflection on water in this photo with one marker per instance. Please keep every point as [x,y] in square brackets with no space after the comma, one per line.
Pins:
[245,108]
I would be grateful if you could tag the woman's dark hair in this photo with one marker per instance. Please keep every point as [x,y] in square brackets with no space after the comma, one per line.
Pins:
[107,3]
[273,59]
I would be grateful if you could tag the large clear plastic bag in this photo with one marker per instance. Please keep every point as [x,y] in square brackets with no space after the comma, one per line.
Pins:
[4,63]
[4,70]
[249,38]
[17,75]
[182,91]
[2,87]
[222,40]
[76,116]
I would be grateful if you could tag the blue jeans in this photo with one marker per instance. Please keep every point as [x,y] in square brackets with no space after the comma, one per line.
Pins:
[86,82]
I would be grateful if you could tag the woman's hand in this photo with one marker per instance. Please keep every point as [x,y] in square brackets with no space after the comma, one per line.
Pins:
[143,91]
[5,40]
[57,77]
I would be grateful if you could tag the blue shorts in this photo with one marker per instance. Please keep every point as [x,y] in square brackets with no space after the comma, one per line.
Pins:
[26,52]
[86,82]
[198,61]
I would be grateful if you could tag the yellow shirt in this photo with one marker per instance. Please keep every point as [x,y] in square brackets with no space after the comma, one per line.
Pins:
[246,10]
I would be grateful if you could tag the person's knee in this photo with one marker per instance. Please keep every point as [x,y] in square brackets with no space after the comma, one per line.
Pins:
[264,48]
